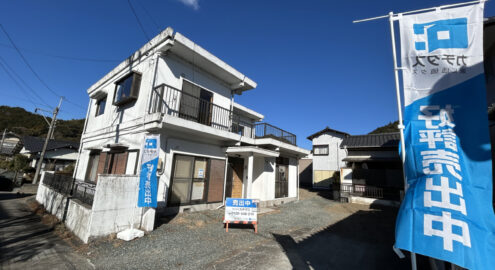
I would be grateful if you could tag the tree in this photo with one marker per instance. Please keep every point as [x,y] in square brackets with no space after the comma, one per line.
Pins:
[388,128]
[18,164]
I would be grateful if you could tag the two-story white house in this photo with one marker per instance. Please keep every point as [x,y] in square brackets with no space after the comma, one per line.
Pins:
[211,147]
[328,156]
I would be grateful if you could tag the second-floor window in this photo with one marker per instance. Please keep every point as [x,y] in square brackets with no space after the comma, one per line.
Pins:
[320,150]
[100,105]
[127,89]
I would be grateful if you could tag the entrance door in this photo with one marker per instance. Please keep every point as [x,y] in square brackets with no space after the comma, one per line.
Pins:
[235,172]
[282,178]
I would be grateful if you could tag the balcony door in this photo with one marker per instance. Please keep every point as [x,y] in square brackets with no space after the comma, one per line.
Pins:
[196,104]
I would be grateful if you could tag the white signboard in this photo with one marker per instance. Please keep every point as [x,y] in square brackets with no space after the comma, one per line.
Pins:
[241,210]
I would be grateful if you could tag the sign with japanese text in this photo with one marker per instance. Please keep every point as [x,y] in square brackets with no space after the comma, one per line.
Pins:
[447,210]
[242,210]
[148,186]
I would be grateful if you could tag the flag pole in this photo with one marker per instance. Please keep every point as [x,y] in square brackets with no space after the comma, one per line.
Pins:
[399,110]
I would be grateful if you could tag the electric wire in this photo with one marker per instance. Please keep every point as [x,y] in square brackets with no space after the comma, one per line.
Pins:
[138,21]
[33,71]
[9,71]
[83,59]
[149,16]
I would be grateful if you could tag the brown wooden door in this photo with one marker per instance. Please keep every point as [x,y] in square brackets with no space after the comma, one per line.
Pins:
[217,176]
[119,163]
[101,165]
[237,168]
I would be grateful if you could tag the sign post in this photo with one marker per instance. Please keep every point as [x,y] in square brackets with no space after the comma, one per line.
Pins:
[241,211]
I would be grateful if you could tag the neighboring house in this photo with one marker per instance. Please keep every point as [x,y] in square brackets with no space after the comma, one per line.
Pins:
[58,155]
[12,144]
[327,156]
[211,147]
[373,167]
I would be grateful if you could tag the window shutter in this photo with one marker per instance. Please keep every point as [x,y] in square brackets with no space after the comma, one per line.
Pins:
[217,176]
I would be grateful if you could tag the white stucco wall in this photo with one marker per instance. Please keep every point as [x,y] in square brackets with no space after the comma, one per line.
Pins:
[263,178]
[115,205]
[333,161]
[293,174]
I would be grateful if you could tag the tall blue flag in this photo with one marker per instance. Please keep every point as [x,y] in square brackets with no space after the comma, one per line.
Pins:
[447,210]
[148,186]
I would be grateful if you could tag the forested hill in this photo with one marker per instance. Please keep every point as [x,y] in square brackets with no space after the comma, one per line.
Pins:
[23,123]
[388,128]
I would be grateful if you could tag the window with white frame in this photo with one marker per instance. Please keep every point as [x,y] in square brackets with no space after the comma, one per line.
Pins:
[320,150]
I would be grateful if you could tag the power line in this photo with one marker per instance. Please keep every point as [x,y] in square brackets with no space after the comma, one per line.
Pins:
[149,16]
[84,59]
[137,19]
[33,71]
[10,71]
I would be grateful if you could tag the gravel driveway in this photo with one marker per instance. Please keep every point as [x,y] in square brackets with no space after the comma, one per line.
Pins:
[313,233]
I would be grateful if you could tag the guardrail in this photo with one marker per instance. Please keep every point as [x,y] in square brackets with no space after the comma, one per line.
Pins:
[265,130]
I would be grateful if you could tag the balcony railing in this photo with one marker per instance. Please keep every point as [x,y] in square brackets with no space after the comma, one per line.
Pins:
[264,130]
[174,102]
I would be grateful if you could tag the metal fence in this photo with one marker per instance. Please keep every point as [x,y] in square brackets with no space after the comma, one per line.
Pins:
[84,192]
[265,130]
[172,101]
[388,193]
[59,182]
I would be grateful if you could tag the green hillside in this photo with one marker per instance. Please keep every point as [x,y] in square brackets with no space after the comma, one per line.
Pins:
[24,123]
[390,127]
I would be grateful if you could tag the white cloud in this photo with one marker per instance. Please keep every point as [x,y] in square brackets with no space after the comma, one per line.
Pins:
[192,3]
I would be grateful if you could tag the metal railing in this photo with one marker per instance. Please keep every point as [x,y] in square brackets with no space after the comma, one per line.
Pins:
[367,191]
[265,130]
[84,192]
[58,182]
[171,101]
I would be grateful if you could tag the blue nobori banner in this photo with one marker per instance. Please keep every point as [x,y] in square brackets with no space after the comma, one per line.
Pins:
[447,211]
[148,185]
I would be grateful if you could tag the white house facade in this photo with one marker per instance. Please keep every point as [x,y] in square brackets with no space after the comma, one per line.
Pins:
[327,155]
[211,147]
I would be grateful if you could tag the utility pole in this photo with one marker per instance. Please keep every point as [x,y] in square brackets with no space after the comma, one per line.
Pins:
[3,139]
[48,136]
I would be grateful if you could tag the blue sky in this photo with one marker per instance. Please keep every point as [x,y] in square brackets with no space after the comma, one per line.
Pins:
[313,66]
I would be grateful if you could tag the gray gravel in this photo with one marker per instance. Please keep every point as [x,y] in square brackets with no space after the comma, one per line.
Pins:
[306,234]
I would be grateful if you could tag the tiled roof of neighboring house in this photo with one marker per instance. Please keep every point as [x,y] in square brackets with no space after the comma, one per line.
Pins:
[11,145]
[390,140]
[327,129]
[35,144]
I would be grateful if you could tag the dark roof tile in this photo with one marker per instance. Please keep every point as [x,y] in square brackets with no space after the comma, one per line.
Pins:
[372,140]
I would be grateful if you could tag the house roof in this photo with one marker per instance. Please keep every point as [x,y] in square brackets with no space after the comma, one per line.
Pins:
[35,144]
[175,42]
[383,140]
[327,129]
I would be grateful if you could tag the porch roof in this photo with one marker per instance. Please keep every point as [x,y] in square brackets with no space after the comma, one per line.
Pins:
[248,150]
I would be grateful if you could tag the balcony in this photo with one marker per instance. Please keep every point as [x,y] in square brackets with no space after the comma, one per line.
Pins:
[265,130]
[198,108]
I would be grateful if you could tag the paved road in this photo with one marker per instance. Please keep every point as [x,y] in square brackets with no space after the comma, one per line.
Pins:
[26,243]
